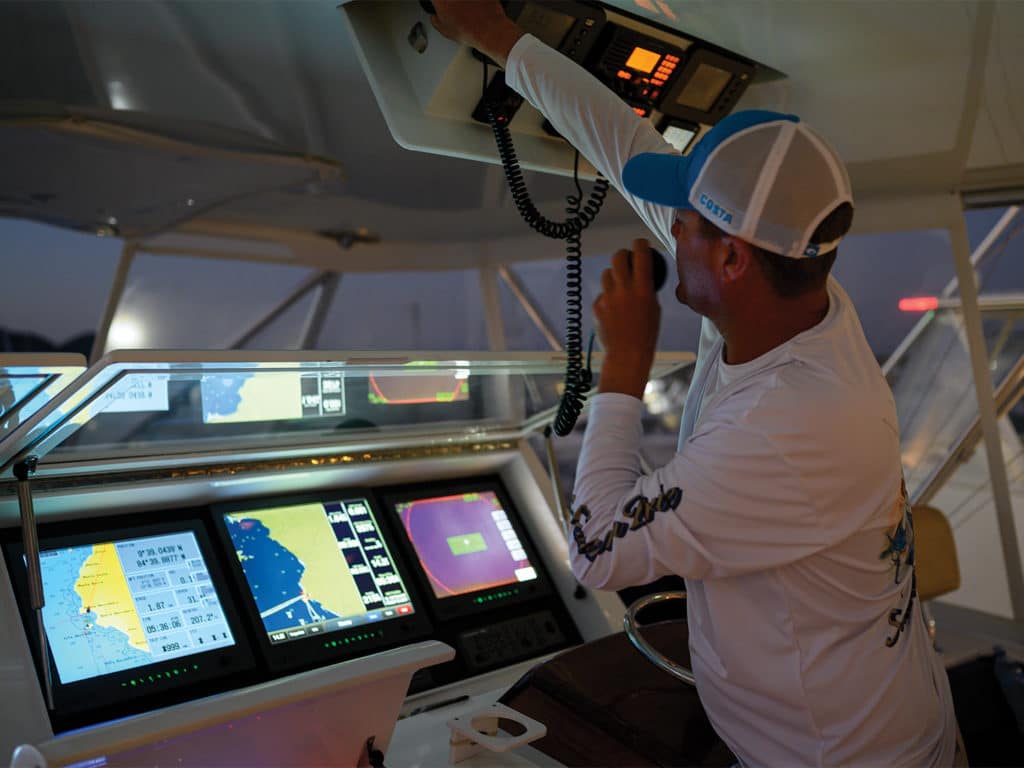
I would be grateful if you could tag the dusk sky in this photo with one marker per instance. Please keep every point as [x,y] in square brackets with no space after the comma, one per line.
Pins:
[56,284]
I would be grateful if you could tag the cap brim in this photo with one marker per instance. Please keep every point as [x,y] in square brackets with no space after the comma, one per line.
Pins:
[659,178]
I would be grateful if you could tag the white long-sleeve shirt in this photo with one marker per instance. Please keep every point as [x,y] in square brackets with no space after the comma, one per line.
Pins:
[782,509]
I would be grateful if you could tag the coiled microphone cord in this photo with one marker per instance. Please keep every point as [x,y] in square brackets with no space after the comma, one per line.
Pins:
[578,378]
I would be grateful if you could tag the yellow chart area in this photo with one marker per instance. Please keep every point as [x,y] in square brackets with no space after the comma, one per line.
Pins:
[303,529]
[103,590]
[265,398]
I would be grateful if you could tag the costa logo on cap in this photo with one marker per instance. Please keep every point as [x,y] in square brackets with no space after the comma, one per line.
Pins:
[715,209]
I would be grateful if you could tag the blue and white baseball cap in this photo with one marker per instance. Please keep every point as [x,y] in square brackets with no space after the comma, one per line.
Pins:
[762,176]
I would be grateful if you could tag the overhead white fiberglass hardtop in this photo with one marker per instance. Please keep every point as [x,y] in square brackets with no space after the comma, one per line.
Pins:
[170,407]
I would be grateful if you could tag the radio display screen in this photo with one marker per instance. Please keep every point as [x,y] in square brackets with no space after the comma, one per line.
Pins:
[643,60]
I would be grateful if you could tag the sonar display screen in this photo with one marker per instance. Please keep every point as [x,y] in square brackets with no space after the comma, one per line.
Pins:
[317,567]
[124,604]
[465,543]
[425,388]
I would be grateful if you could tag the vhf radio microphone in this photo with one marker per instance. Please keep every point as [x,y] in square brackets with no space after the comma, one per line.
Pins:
[578,383]
[659,269]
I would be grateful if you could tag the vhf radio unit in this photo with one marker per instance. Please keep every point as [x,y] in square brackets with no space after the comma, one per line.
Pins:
[680,82]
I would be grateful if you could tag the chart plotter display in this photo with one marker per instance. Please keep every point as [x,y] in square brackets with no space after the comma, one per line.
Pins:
[465,542]
[118,605]
[230,399]
[317,567]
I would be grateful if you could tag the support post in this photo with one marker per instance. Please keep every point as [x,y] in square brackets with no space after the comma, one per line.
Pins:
[318,312]
[987,410]
[531,310]
[113,300]
[564,517]
[301,290]
[492,308]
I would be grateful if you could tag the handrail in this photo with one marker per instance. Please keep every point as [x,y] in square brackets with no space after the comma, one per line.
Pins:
[658,659]
[1006,396]
[979,253]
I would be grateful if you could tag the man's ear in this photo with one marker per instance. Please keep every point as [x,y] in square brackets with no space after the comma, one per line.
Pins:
[738,262]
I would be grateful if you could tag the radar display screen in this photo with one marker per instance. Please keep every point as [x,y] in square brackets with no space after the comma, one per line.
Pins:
[316,567]
[118,605]
[465,542]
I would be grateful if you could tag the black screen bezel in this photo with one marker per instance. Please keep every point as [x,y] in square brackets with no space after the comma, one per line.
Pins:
[220,669]
[741,73]
[463,605]
[316,650]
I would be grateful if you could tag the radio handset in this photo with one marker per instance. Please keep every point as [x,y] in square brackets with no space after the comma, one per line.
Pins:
[659,268]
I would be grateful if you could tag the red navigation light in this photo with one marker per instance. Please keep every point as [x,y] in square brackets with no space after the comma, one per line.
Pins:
[919,304]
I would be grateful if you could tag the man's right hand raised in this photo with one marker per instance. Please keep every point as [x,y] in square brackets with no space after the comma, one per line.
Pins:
[481,24]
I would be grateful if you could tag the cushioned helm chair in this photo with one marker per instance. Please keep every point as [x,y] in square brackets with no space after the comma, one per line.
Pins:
[938,571]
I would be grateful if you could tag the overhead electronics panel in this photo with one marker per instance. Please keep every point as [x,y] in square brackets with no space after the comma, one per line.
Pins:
[431,90]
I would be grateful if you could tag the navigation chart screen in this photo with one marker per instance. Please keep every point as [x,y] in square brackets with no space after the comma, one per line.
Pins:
[465,542]
[123,604]
[317,567]
[271,396]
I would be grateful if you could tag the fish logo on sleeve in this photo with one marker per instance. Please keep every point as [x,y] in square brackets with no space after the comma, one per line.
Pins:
[900,552]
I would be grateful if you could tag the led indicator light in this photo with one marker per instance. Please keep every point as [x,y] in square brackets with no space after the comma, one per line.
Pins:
[919,304]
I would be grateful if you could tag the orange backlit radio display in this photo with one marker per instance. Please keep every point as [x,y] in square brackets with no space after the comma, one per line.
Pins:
[643,60]
[637,67]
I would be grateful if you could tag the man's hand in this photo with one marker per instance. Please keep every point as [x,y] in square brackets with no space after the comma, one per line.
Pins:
[627,314]
[481,24]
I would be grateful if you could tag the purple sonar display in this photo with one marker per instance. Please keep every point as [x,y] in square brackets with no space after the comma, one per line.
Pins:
[465,543]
